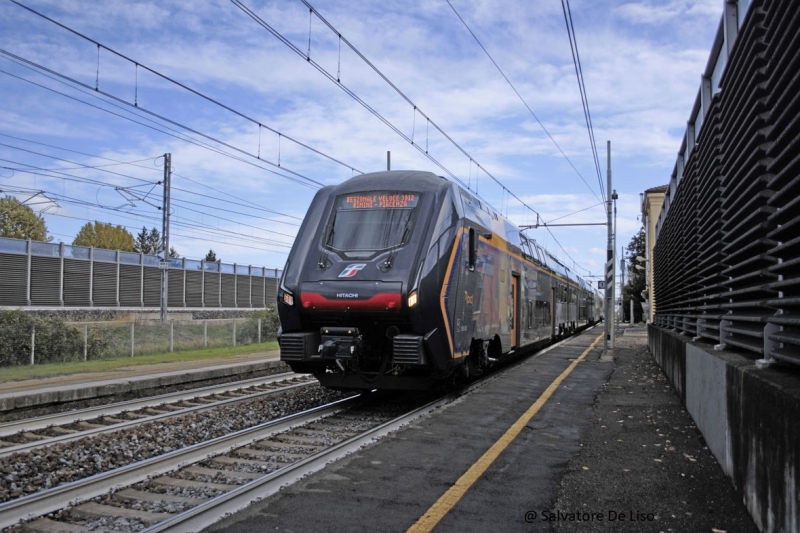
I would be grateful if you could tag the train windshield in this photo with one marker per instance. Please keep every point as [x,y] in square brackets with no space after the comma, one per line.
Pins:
[365,224]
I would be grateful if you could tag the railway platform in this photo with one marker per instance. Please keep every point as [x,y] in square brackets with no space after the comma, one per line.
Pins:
[131,382]
[606,446]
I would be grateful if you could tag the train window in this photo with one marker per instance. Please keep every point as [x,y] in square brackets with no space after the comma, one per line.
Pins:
[367,223]
[473,210]
[448,217]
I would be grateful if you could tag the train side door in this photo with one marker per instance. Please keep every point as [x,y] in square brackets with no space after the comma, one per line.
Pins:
[553,310]
[514,310]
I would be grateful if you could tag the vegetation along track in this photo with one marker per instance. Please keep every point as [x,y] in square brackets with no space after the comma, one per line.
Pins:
[223,474]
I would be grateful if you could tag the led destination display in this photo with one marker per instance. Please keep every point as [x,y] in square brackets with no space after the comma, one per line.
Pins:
[381,200]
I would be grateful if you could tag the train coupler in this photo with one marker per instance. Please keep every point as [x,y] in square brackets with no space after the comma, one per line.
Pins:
[339,343]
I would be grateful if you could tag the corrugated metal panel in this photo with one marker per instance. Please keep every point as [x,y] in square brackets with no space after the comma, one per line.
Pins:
[104,284]
[270,291]
[175,286]
[152,286]
[130,285]
[45,280]
[85,280]
[258,292]
[77,274]
[228,290]
[14,281]
[211,289]
[242,291]
[194,288]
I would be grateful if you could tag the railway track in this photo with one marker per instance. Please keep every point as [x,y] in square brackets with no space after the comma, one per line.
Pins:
[190,488]
[27,434]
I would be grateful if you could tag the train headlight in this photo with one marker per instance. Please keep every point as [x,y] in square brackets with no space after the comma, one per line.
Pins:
[288,298]
[412,299]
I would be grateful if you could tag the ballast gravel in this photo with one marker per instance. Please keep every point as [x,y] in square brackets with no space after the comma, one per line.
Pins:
[43,468]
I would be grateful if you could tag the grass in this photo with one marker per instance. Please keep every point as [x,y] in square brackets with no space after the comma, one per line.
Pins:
[18,373]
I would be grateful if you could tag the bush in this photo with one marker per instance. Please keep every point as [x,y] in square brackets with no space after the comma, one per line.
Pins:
[248,333]
[55,342]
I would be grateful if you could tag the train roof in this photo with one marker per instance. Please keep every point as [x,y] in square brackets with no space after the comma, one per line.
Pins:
[410,180]
[475,209]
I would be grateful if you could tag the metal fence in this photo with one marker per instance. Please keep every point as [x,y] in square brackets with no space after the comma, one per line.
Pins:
[31,344]
[58,275]
[728,238]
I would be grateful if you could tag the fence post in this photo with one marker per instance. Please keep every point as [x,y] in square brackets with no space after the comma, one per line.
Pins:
[171,334]
[85,340]
[205,333]
[234,333]
[33,342]
[259,331]
[132,339]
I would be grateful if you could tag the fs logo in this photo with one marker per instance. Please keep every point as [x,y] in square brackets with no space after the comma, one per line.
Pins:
[351,270]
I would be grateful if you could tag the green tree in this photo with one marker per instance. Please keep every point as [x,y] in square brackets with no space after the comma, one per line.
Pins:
[148,242]
[211,257]
[637,282]
[18,221]
[107,236]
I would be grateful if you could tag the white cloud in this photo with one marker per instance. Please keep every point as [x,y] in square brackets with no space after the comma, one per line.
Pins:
[641,63]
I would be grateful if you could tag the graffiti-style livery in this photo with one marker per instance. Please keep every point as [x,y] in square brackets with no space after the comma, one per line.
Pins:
[403,279]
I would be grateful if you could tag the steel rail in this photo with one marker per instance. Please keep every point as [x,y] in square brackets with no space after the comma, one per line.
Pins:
[57,498]
[211,511]
[60,419]
[28,446]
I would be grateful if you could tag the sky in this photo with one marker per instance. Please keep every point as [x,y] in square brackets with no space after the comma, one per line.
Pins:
[91,100]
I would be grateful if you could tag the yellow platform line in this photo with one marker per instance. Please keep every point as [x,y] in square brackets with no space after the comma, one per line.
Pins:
[450,498]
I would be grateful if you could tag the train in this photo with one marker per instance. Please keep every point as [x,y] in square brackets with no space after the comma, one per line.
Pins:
[405,280]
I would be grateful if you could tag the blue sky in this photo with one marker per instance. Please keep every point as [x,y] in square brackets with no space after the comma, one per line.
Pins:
[641,64]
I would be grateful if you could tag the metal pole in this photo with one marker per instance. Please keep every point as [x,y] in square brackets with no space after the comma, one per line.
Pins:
[609,255]
[85,340]
[165,235]
[631,300]
[622,279]
[33,342]
[613,262]
[171,334]
[205,333]
[388,160]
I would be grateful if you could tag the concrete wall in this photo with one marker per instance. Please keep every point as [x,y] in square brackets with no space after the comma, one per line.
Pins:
[749,417]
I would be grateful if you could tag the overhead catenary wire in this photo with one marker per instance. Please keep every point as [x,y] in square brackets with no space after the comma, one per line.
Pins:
[139,64]
[171,132]
[415,107]
[519,96]
[336,79]
[576,59]
[299,178]
[61,175]
[178,201]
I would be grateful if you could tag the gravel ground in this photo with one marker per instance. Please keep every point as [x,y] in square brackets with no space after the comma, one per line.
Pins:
[43,468]
[642,454]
